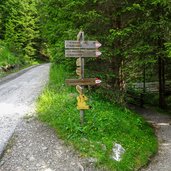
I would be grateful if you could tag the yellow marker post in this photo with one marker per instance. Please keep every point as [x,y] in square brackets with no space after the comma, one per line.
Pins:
[81,102]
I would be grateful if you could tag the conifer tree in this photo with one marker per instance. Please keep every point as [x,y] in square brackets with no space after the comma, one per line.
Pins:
[134,35]
[21,27]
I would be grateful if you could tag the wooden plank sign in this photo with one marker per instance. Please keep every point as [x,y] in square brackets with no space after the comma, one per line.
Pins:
[73,44]
[83,82]
[82,53]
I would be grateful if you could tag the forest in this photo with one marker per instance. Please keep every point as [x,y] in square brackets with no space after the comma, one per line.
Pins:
[135,67]
[135,37]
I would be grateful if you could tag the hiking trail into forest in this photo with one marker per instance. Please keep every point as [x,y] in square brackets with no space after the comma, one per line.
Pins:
[162,125]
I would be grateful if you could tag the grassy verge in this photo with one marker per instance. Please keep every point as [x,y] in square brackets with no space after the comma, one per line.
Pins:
[106,124]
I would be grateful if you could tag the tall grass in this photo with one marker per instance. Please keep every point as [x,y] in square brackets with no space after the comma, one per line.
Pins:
[105,125]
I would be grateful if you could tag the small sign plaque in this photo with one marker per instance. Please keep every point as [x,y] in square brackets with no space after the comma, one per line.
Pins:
[74,44]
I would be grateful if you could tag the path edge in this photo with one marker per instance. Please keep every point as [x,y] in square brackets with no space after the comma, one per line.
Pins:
[16,74]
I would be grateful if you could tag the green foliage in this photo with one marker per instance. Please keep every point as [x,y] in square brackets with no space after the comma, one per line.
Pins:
[129,32]
[168,49]
[134,36]
[6,57]
[20,29]
[105,124]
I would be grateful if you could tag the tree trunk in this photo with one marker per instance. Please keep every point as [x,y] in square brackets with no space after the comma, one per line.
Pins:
[117,60]
[161,65]
[161,75]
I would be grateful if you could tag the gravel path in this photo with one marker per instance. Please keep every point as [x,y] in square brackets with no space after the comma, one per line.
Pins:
[35,147]
[17,99]
[162,124]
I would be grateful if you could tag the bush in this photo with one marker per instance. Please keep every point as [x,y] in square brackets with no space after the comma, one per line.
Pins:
[6,57]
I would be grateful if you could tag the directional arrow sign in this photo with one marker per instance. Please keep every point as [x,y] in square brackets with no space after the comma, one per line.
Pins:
[83,82]
[82,53]
[72,44]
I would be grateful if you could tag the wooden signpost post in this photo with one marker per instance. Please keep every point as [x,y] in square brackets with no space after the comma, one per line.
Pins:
[82,49]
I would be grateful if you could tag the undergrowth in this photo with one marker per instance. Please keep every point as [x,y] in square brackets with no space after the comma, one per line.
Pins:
[6,57]
[105,125]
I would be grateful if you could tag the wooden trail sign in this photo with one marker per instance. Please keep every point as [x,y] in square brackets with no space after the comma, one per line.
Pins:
[83,82]
[80,49]
[74,44]
[82,53]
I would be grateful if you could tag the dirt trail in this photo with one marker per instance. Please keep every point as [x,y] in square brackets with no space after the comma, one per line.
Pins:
[162,123]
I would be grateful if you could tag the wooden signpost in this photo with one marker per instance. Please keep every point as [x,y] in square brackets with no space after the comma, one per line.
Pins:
[81,49]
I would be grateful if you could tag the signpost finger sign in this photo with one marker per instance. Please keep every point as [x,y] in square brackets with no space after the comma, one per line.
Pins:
[74,44]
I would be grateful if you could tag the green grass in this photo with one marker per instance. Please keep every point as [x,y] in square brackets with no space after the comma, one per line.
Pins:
[105,124]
